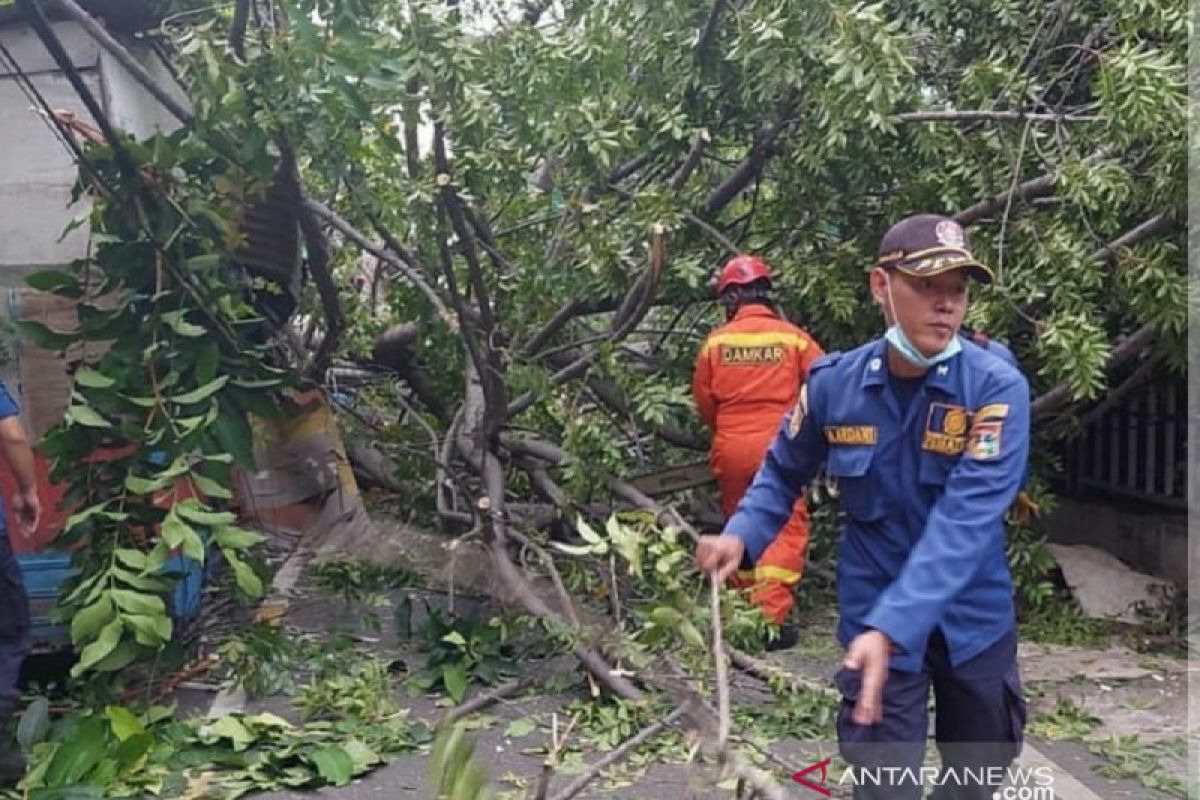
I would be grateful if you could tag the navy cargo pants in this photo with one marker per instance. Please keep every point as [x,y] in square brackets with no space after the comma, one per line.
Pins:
[14,622]
[979,726]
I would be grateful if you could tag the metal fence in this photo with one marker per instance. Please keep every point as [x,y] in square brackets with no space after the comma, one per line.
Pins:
[1136,447]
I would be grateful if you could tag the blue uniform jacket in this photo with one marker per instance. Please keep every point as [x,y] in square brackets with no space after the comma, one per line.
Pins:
[8,408]
[924,496]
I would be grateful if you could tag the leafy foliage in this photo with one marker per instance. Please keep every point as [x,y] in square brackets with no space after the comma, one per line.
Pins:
[169,359]
[119,752]
[462,651]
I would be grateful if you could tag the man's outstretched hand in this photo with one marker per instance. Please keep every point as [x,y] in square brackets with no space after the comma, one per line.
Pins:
[719,556]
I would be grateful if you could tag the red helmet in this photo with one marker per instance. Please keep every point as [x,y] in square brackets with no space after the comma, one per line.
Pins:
[741,271]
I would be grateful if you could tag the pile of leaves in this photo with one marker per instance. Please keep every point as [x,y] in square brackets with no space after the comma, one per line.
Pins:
[120,752]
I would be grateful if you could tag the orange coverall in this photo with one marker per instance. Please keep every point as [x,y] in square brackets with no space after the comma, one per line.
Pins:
[747,376]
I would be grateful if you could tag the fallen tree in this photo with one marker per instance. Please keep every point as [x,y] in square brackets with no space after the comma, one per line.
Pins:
[537,206]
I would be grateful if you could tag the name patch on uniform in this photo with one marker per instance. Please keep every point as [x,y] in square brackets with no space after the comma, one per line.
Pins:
[796,421]
[945,429]
[740,356]
[851,434]
[984,442]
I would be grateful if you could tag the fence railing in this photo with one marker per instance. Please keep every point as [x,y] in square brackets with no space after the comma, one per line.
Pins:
[1136,448]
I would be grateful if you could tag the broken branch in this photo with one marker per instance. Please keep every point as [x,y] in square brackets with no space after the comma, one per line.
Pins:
[620,753]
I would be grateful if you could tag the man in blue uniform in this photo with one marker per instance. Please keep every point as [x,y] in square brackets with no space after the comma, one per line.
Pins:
[14,603]
[926,435]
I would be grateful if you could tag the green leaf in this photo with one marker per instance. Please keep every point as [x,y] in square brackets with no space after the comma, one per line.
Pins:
[86,416]
[98,650]
[454,678]
[236,538]
[246,578]
[207,362]
[666,617]
[203,393]
[233,729]
[134,559]
[175,531]
[150,631]
[192,511]
[175,320]
[132,753]
[91,379]
[204,263]
[455,638]
[35,724]
[520,728]
[691,634]
[78,754]
[139,485]
[43,336]
[232,431]
[210,488]
[124,654]
[157,560]
[137,603]
[362,755]
[124,722]
[333,765]
[52,280]
[88,621]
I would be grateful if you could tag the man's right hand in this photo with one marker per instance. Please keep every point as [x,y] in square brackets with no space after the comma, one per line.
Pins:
[720,555]
[27,508]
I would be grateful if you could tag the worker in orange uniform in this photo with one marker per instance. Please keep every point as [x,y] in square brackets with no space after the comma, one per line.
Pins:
[747,376]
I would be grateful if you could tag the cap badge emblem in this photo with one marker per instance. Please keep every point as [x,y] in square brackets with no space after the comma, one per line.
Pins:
[949,233]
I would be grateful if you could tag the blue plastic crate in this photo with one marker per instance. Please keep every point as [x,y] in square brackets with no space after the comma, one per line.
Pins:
[45,573]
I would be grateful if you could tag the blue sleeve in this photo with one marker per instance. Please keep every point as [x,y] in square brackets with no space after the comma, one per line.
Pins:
[8,406]
[792,461]
[966,524]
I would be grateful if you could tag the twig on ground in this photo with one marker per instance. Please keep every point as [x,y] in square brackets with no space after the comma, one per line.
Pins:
[626,749]
[480,702]
[551,761]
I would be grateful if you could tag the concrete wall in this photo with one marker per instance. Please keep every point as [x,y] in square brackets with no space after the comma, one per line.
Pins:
[1151,541]
[36,170]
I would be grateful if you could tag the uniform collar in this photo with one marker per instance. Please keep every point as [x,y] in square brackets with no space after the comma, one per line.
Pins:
[754,310]
[875,373]
[940,377]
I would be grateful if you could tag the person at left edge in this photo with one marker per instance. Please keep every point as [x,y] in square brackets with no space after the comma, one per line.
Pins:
[748,374]
[14,603]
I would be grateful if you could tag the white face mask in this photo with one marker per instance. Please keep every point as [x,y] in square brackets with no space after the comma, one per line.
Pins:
[896,337]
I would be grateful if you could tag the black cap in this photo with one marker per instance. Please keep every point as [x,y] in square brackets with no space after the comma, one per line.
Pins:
[929,244]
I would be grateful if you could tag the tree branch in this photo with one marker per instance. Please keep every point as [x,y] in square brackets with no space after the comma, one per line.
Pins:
[1040,186]
[709,34]
[620,753]
[1133,344]
[1151,227]
[318,266]
[751,166]
[411,275]
[237,29]
[983,115]
[703,137]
